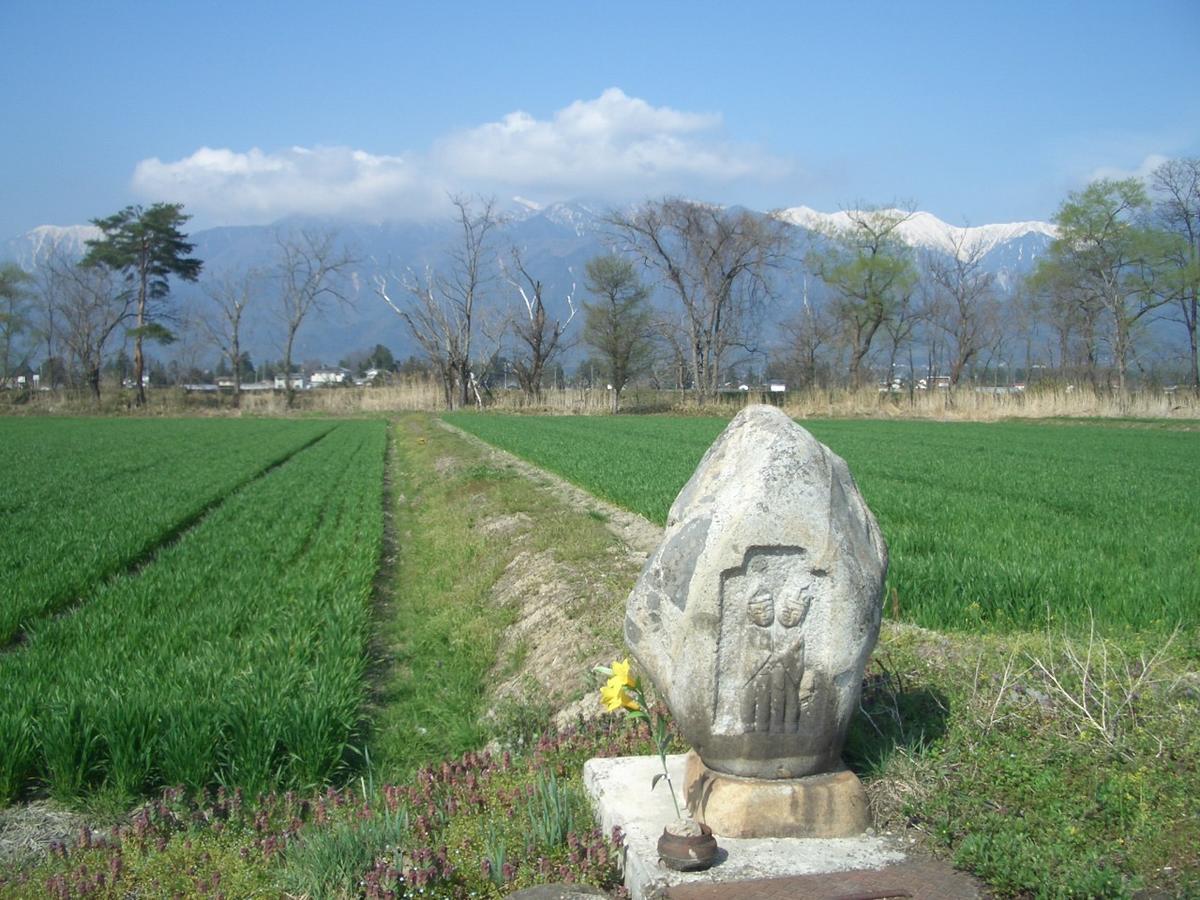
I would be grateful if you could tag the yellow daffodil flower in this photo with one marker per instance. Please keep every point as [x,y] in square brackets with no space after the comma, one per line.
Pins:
[610,696]
[616,693]
[614,696]
[620,673]
[623,691]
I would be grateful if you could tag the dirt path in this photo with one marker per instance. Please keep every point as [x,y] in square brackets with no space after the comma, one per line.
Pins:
[638,534]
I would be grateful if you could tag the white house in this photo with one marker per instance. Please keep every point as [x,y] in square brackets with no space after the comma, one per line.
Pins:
[331,376]
[299,382]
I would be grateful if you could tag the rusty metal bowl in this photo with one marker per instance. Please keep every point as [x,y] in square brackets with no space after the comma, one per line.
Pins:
[688,853]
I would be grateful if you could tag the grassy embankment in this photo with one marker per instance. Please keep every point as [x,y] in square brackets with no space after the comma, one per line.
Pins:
[1045,758]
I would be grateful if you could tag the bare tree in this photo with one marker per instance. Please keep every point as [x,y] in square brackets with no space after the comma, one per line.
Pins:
[870,271]
[310,270]
[230,294]
[1177,210]
[900,327]
[91,304]
[15,321]
[443,306]
[807,331]
[669,365]
[1073,314]
[961,301]
[47,323]
[717,263]
[542,339]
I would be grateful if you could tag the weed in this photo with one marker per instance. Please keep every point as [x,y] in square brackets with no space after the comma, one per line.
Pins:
[330,861]
[1016,780]
[1101,689]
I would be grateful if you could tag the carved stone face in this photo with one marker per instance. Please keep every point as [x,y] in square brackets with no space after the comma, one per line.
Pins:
[762,609]
[793,611]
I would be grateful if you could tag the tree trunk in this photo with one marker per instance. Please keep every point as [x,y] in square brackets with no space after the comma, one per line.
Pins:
[138,360]
[237,376]
[1195,373]
[138,364]
[856,358]
[464,396]
[289,392]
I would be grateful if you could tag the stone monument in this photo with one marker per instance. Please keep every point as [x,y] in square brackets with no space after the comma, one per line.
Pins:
[754,620]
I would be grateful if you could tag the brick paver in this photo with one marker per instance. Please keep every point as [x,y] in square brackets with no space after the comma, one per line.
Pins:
[925,879]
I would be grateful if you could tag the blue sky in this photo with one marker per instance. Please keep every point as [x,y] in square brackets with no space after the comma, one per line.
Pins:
[977,112]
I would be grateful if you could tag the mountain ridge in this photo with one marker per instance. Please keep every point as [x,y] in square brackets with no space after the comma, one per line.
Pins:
[919,229]
[555,240]
[924,229]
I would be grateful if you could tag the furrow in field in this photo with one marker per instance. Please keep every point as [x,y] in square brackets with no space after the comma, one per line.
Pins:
[147,486]
[146,556]
[236,657]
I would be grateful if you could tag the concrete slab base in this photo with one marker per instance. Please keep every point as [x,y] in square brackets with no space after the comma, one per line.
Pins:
[620,788]
[831,805]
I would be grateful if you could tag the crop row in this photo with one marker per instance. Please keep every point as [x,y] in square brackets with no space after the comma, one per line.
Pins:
[990,526]
[82,500]
[236,656]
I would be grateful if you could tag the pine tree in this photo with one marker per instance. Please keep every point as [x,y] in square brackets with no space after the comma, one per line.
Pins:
[146,247]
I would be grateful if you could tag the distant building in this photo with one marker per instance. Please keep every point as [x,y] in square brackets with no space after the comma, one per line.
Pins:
[936,382]
[299,382]
[331,376]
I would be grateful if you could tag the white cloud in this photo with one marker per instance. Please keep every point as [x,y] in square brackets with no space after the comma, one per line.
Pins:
[1148,165]
[613,146]
[255,186]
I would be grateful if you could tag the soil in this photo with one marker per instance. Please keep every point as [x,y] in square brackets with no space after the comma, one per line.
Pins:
[567,615]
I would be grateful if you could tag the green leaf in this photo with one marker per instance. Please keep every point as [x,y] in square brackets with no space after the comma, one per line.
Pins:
[152,331]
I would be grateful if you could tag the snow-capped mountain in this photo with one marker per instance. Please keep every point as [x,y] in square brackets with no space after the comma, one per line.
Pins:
[555,240]
[926,231]
[31,248]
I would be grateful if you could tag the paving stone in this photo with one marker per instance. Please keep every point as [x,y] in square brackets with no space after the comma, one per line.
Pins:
[918,879]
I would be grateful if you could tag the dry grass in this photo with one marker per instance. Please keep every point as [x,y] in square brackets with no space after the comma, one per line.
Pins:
[1100,688]
[834,403]
[980,406]
[421,394]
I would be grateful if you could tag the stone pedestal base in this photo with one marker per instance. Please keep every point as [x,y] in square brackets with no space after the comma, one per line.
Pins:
[831,805]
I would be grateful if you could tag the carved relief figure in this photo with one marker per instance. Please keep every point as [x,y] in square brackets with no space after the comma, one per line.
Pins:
[764,684]
[776,688]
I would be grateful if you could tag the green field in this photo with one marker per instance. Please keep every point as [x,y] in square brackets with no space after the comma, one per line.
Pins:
[995,526]
[83,499]
[238,621]
[235,652]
